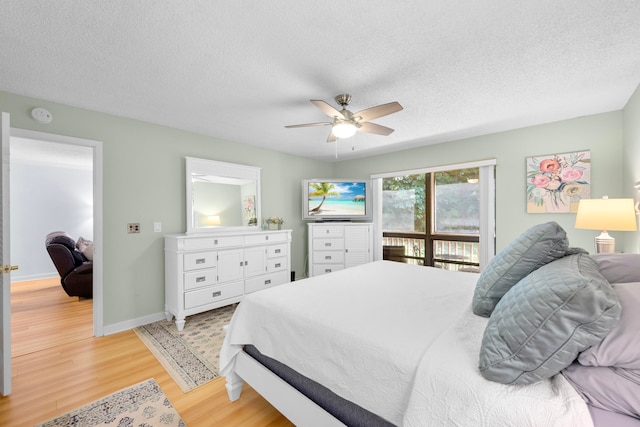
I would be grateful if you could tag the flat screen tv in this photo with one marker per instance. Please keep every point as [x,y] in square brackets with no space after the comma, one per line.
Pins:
[336,199]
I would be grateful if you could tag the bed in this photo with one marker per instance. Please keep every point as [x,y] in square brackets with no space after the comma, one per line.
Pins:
[384,344]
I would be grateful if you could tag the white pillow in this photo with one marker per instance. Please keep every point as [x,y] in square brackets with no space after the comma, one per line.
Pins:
[86,247]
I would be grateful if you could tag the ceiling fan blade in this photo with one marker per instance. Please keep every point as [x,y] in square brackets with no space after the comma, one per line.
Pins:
[375,129]
[309,124]
[378,111]
[327,109]
[332,137]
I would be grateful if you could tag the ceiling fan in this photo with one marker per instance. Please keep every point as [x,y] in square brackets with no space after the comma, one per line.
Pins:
[345,123]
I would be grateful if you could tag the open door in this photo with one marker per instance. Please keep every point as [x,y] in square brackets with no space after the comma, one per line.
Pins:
[5,264]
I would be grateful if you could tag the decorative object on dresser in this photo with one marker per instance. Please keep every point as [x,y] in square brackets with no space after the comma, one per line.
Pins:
[207,271]
[336,246]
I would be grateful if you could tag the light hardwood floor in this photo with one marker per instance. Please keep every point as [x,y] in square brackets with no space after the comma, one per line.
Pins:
[58,366]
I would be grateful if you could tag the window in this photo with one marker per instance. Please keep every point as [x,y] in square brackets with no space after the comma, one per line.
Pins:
[433,218]
[422,217]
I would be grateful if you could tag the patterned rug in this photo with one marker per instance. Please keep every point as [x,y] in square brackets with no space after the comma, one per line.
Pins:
[190,356]
[143,404]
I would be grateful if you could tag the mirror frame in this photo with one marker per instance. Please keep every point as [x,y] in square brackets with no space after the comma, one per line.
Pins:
[223,170]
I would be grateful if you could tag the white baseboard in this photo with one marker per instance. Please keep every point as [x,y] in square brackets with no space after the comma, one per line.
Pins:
[17,279]
[133,323]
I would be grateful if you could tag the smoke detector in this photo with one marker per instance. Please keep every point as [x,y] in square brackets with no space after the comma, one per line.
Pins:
[41,115]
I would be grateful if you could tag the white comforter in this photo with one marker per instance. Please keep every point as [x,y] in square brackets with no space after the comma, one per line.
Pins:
[398,340]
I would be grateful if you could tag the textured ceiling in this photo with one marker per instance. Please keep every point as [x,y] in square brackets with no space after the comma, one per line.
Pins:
[242,70]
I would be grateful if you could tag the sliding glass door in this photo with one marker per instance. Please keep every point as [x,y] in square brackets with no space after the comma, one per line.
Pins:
[438,218]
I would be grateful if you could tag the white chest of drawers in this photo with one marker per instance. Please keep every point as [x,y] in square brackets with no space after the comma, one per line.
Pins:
[207,271]
[335,246]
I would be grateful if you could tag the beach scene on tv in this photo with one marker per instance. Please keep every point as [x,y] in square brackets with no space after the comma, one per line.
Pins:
[337,198]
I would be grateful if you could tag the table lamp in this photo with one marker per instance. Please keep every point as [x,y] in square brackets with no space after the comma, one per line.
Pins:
[606,215]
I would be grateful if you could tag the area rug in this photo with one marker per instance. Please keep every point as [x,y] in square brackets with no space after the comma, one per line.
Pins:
[143,404]
[190,356]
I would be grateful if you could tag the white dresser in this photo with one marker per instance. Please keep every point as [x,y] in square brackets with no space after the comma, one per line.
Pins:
[335,246]
[207,271]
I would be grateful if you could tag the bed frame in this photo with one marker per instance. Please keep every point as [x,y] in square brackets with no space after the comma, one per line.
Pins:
[297,407]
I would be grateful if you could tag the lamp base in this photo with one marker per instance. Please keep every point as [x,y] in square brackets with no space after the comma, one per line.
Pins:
[605,244]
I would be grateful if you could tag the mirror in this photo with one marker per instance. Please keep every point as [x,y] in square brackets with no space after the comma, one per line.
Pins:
[221,196]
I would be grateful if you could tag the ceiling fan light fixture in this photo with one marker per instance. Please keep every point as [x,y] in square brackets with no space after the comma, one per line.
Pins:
[344,129]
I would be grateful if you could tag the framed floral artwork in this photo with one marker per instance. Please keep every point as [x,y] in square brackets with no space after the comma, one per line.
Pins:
[557,182]
[249,210]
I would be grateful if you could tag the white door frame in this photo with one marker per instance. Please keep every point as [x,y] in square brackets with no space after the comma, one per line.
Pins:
[98,266]
[5,254]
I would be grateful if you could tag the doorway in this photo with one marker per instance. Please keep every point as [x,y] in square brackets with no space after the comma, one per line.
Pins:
[70,201]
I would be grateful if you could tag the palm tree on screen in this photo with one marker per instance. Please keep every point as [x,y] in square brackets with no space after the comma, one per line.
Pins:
[323,189]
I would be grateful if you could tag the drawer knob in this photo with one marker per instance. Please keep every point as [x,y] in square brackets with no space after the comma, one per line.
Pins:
[200,261]
[216,294]
[327,245]
[327,257]
[200,279]
[278,265]
[277,251]
[267,282]
[327,270]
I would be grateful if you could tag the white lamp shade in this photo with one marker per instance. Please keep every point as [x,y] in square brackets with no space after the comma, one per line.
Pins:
[606,214]
[344,130]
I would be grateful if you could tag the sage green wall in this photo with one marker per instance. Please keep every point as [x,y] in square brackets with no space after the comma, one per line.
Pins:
[631,158]
[144,181]
[602,134]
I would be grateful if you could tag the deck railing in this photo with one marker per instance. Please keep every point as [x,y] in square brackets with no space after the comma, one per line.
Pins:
[447,254]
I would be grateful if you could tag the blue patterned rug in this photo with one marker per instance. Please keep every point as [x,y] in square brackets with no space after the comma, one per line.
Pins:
[190,356]
[143,404]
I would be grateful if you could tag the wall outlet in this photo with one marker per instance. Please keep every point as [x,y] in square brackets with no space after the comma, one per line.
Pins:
[133,227]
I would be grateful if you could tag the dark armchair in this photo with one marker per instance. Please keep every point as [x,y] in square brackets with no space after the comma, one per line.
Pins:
[76,271]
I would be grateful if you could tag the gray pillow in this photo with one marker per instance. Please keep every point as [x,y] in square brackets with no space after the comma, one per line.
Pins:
[542,323]
[609,388]
[537,246]
[621,347]
[619,268]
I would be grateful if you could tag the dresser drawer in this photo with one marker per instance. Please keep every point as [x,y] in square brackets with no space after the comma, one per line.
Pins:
[197,243]
[199,278]
[266,281]
[277,250]
[328,244]
[256,239]
[212,294]
[328,231]
[328,257]
[198,260]
[276,264]
[319,269]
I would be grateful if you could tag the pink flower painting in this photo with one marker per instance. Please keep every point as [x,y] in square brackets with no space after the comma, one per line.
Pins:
[557,182]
